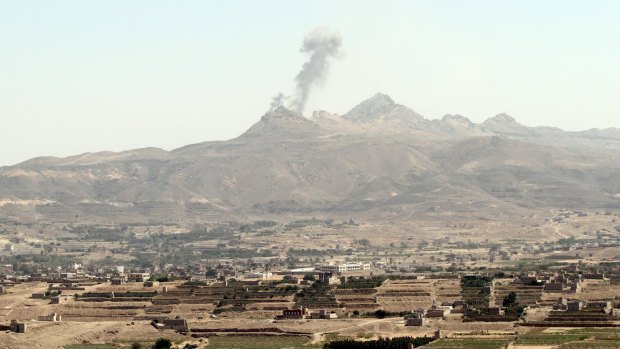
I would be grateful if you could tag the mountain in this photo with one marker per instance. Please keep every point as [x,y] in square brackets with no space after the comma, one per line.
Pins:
[506,126]
[380,159]
[381,108]
[282,123]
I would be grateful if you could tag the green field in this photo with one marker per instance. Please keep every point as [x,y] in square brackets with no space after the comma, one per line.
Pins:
[581,338]
[542,338]
[592,345]
[468,343]
[258,342]
[90,346]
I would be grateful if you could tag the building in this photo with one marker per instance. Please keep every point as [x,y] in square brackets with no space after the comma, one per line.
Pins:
[53,317]
[437,313]
[594,276]
[138,277]
[75,266]
[18,327]
[299,271]
[322,314]
[561,304]
[416,318]
[258,275]
[484,312]
[600,305]
[62,275]
[328,278]
[553,287]
[176,324]
[9,247]
[293,314]
[345,267]
[574,305]
[150,283]
[491,311]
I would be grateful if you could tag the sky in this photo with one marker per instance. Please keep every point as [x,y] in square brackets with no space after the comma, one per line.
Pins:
[85,76]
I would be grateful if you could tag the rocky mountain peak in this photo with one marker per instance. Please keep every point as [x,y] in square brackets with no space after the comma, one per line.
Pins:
[281,112]
[456,118]
[504,124]
[282,122]
[381,98]
[503,119]
[376,106]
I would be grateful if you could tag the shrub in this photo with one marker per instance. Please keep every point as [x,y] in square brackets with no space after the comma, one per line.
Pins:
[162,343]
[382,343]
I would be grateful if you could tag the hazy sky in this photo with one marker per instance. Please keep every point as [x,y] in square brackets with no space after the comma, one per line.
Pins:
[82,76]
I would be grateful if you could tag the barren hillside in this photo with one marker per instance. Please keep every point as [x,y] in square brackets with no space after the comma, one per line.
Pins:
[378,157]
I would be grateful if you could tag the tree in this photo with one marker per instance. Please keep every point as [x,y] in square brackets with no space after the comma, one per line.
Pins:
[510,299]
[381,343]
[162,343]
[381,313]
[162,278]
[511,305]
[515,310]
[309,277]
[136,345]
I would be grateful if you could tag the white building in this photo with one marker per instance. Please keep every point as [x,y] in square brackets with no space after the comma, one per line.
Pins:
[62,275]
[345,267]
[258,275]
[76,266]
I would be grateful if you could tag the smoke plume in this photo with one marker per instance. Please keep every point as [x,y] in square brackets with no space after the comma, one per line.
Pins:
[320,45]
[278,100]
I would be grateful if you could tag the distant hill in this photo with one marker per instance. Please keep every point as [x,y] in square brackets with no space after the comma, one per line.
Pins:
[380,159]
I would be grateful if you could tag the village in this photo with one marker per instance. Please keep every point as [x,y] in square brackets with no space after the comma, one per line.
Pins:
[218,282]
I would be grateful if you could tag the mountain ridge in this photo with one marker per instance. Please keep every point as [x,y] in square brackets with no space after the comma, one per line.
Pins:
[380,158]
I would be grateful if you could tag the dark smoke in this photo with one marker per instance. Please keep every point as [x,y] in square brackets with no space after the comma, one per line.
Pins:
[279,100]
[320,45]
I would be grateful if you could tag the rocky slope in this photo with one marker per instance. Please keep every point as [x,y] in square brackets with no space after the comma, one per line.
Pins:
[380,158]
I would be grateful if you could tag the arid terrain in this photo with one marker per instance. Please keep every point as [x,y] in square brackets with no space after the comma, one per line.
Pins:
[308,232]
[379,160]
[226,280]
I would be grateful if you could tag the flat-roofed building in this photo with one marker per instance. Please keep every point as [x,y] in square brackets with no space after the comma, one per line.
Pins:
[293,314]
[138,277]
[345,267]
